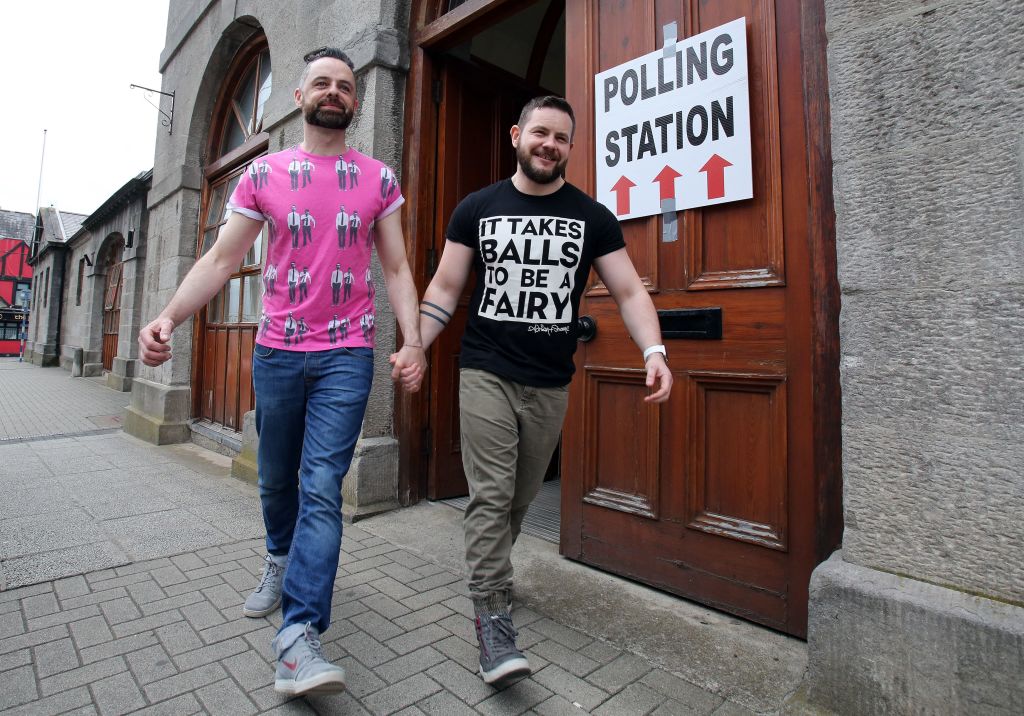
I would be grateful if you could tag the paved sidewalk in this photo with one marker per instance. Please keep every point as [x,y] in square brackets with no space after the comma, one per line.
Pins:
[37,402]
[123,567]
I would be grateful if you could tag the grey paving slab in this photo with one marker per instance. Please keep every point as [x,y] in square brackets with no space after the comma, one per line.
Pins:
[48,531]
[38,391]
[41,566]
[19,687]
[634,700]
[117,694]
[169,532]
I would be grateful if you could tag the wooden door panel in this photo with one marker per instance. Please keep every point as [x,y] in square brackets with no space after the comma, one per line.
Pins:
[208,368]
[713,261]
[737,474]
[112,307]
[220,341]
[753,332]
[246,399]
[231,382]
[642,557]
[623,474]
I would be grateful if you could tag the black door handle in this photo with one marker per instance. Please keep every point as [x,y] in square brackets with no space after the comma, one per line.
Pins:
[587,328]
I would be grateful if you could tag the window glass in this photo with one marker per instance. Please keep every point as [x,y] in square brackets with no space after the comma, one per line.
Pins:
[232,183]
[231,300]
[245,100]
[244,114]
[264,92]
[254,255]
[251,303]
[209,237]
[213,310]
[22,294]
[234,137]
[215,204]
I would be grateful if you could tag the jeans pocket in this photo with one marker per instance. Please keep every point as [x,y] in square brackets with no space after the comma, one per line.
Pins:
[260,351]
[357,352]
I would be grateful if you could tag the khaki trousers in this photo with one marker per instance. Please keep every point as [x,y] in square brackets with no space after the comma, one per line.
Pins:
[509,433]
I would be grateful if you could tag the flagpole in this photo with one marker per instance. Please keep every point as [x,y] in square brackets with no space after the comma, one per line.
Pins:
[42,157]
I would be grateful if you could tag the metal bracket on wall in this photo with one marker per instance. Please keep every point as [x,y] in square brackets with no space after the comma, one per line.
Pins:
[168,120]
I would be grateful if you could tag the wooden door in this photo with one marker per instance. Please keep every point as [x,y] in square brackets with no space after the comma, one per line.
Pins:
[112,306]
[723,494]
[476,111]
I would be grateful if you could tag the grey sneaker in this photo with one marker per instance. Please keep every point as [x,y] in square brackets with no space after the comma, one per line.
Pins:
[267,596]
[501,662]
[302,668]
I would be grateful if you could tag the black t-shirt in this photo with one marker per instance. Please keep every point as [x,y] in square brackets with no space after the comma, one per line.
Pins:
[532,258]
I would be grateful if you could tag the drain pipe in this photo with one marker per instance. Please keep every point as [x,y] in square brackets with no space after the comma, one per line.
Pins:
[60,300]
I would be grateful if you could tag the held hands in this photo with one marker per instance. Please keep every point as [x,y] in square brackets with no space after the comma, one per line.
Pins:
[154,347]
[410,363]
[658,372]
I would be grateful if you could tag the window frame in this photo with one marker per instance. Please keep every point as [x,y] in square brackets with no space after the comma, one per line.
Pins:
[225,167]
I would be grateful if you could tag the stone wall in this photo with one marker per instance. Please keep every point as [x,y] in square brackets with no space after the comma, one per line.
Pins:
[927,138]
[923,610]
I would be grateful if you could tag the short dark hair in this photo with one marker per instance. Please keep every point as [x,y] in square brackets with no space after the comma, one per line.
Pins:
[552,101]
[332,52]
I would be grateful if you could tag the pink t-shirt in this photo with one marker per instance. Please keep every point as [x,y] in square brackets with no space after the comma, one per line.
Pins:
[317,287]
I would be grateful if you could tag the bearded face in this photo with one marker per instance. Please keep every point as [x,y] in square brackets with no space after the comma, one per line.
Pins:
[328,112]
[541,172]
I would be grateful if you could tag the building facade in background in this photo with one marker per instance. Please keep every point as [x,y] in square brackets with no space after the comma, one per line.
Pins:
[85,315]
[15,280]
[49,259]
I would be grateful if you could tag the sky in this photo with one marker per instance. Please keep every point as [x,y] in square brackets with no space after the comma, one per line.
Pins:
[65,66]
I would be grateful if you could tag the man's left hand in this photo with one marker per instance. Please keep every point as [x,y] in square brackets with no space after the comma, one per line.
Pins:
[658,374]
[408,366]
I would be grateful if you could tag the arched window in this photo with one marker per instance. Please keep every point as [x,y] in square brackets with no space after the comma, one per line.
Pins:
[228,324]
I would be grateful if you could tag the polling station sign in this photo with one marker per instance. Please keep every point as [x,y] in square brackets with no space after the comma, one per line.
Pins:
[673,126]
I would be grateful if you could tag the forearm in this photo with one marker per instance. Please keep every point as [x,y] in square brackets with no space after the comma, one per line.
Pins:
[641,319]
[402,295]
[436,311]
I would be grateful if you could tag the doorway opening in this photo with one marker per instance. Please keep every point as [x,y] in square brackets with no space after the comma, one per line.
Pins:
[480,77]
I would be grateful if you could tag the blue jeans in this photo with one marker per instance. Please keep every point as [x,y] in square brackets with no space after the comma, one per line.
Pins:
[309,412]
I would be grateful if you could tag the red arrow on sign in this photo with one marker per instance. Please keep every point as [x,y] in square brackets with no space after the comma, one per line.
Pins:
[667,180]
[715,168]
[621,189]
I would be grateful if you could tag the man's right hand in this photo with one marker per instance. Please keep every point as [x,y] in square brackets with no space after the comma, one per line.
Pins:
[154,341]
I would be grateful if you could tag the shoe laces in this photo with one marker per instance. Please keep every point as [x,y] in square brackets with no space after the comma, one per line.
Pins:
[313,643]
[491,623]
[270,571]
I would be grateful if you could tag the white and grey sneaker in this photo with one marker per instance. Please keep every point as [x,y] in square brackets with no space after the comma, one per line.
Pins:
[501,662]
[267,595]
[302,668]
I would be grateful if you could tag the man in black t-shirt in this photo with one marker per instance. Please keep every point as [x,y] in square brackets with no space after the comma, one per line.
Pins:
[532,241]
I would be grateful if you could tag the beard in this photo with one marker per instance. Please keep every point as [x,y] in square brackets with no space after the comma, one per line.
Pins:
[540,176]
[338,118]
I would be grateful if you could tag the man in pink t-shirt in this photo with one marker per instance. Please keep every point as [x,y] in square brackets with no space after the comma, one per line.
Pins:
[311,374]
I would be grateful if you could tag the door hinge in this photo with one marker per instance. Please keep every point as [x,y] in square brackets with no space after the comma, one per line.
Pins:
[437,90]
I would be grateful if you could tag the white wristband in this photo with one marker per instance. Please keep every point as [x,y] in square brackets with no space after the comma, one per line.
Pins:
[659,348]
